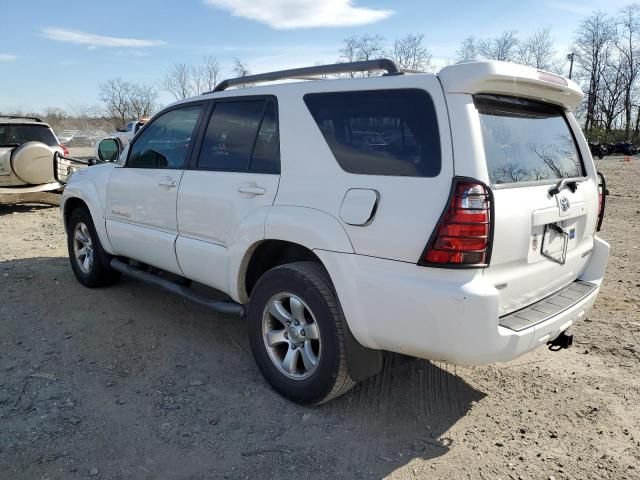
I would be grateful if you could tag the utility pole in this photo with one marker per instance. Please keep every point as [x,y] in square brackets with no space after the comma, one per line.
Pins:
[570,57]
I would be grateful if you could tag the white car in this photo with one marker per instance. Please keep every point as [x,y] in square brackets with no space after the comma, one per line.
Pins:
[118,140]
[27,148]
[450,217]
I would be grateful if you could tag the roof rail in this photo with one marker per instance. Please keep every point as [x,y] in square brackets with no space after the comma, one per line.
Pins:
[297,73]
[23,117]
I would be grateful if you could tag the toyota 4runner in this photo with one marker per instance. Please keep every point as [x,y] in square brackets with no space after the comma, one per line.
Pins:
[450,217]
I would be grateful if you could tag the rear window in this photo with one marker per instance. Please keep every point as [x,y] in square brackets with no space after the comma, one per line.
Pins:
[15,135]
[380,132]
[526,141]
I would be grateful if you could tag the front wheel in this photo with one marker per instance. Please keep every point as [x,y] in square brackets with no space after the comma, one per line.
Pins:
[89,261]
[296,332]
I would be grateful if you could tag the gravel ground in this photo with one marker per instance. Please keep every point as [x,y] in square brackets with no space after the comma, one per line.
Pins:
[128,382]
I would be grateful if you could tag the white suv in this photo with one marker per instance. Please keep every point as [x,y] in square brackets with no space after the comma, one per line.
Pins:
[27,156]
[450,217]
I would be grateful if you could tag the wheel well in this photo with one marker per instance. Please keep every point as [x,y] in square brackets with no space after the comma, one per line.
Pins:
[362,362]
[270,254]
[71,205]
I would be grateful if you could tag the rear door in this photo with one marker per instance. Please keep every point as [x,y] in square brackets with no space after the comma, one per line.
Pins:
[142,195]
[234,175]
[545,202]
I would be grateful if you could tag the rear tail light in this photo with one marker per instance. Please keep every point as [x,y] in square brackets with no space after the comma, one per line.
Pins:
[464,234]
[602,199]
[65,150]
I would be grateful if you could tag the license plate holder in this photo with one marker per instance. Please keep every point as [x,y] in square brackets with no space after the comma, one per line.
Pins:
[554,243]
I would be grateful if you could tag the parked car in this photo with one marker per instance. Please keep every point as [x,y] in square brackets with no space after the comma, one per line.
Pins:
[81,140]
[597,149]
[65,136]
[450,217]
[76,139]
[27,147]
[625,148]
[118,140]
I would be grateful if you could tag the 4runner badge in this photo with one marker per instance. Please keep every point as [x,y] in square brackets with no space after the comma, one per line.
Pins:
[120,213]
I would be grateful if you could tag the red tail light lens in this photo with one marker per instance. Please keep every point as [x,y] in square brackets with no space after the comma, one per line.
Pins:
[464,233]
[65,150]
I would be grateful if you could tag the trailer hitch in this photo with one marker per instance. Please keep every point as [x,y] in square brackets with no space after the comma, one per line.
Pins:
[562,341]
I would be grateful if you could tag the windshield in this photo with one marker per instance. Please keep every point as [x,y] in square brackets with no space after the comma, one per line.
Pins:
[526,141]
[15,135]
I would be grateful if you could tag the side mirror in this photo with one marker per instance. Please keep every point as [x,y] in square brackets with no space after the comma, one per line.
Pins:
[108,150]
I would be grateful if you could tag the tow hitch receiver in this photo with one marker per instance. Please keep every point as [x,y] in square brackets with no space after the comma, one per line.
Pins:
[560,342]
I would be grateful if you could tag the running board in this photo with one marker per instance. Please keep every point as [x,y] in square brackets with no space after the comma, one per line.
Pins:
[230,308]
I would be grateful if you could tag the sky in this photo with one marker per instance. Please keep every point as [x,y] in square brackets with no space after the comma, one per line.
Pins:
[56,53]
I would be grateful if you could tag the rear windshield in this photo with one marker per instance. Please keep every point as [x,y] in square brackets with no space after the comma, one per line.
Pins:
[526,141]
[15,135]
[380,132]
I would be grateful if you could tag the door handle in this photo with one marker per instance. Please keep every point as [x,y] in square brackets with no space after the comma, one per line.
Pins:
[168,182]
[251,190]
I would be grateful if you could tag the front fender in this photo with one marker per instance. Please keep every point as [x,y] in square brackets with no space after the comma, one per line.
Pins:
[83,187]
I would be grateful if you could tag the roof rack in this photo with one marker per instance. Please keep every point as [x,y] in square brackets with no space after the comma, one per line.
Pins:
[22,117]
[305,72]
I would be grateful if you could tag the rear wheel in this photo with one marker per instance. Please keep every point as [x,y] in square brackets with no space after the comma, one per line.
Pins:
[296,332]
[89,261]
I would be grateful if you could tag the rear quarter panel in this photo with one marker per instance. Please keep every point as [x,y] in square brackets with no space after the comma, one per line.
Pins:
[409,207]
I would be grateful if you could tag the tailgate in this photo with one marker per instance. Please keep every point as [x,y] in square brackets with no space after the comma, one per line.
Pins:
[545,203]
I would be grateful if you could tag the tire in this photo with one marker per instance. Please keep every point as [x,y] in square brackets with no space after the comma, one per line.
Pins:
[304,288]
[91,270]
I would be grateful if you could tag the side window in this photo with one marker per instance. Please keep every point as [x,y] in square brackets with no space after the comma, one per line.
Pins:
[230,135]
[380,132]
[165,142]
[266,152]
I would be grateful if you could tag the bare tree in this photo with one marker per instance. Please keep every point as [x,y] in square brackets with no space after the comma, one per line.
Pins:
[177,81]
[628,45]
[142,100]
[205,76]
[366,47]
[125,100]
[183,80]
[468,50]
[410,53]
[240,69]
[115,94]
[537,51]
[611,94]
[503,47]
[593,40]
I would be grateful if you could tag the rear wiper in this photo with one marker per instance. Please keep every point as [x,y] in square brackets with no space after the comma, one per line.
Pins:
[10,145]
[565,182]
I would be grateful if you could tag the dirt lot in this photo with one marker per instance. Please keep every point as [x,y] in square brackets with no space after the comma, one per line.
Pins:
[128,382]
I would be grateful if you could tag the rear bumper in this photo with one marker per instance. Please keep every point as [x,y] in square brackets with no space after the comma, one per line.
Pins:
[446,315]
[45,187]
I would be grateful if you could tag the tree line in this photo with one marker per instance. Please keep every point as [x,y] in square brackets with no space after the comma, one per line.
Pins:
[604,59]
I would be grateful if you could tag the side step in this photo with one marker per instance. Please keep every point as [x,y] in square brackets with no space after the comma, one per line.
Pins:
[230,308]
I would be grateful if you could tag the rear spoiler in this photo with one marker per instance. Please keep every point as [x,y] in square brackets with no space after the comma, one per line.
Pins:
[505,78]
